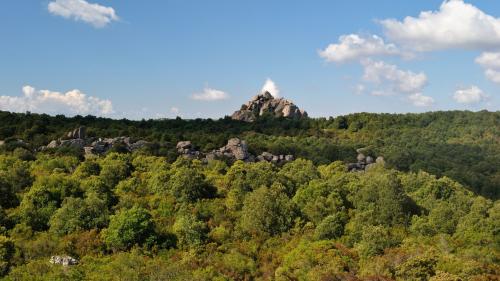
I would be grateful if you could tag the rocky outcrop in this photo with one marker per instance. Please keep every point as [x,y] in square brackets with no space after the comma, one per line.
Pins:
[93,146]
[186,149]
[78,133]
[277,159]
[235,149]
[364,162]
[266,104]
[63,260]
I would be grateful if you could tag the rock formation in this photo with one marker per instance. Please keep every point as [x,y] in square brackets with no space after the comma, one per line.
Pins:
[93,146]
[186,149]
[364,162]
[235,149]
[266,104]
[78,133]
[63,260]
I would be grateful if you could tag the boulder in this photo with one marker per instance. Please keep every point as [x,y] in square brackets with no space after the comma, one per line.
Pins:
[136,145]
[380,160]
[2,142]
[369,160]
[361,157]
[78,133]
[184,145]
[76,143]
[236,148]
[53,144]
[63,260]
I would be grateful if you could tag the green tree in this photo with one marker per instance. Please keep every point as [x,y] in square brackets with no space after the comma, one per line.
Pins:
[267,211]
[7,251]
[190,231]
[331,227]
[77,214]
[188,184]
[45,197]
[128,228]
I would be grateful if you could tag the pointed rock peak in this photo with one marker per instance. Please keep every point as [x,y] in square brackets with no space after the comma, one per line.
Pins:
[267,95]
[266,103]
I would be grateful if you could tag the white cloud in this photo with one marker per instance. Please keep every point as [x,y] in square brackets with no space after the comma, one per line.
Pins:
[401,81]
[390,80]
[81,10]
[469,95]
[271,87]
[44,101]
[455,25]
[493,75]
[490,61]
[420,100]
[209,94]
[354,47]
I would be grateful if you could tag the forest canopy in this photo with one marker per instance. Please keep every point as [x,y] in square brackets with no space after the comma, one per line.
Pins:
[430,212]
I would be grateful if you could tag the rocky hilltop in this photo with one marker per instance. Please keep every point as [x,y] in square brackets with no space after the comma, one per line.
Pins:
[266,103]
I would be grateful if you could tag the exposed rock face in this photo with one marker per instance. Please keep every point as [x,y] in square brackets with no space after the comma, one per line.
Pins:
[186,149]
[266,103]
[364,162]
[78,133]
[92,146]
[63,260]
[235,149]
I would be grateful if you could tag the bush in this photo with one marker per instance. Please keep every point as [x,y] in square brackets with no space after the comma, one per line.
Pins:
[128,228]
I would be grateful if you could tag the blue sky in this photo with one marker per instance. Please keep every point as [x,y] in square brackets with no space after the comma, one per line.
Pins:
[150,59]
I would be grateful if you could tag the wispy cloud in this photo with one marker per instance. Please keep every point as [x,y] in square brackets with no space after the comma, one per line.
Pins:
[81,10]
[45,101]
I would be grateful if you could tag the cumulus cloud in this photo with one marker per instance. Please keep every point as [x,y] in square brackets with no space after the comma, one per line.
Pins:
[44,101]
[354,47]
[455,25]
[490,61]
[271,87]
[209,94]
[418,99]
[81,10]
[380,72]
[390,80]
[469,95]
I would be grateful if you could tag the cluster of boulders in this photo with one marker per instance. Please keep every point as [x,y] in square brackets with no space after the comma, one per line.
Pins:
[63,260]
[266,103]
[235,149]
[364,162]
[77,138]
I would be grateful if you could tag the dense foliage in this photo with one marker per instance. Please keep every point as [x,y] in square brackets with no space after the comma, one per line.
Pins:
[461,145]
[430,213]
